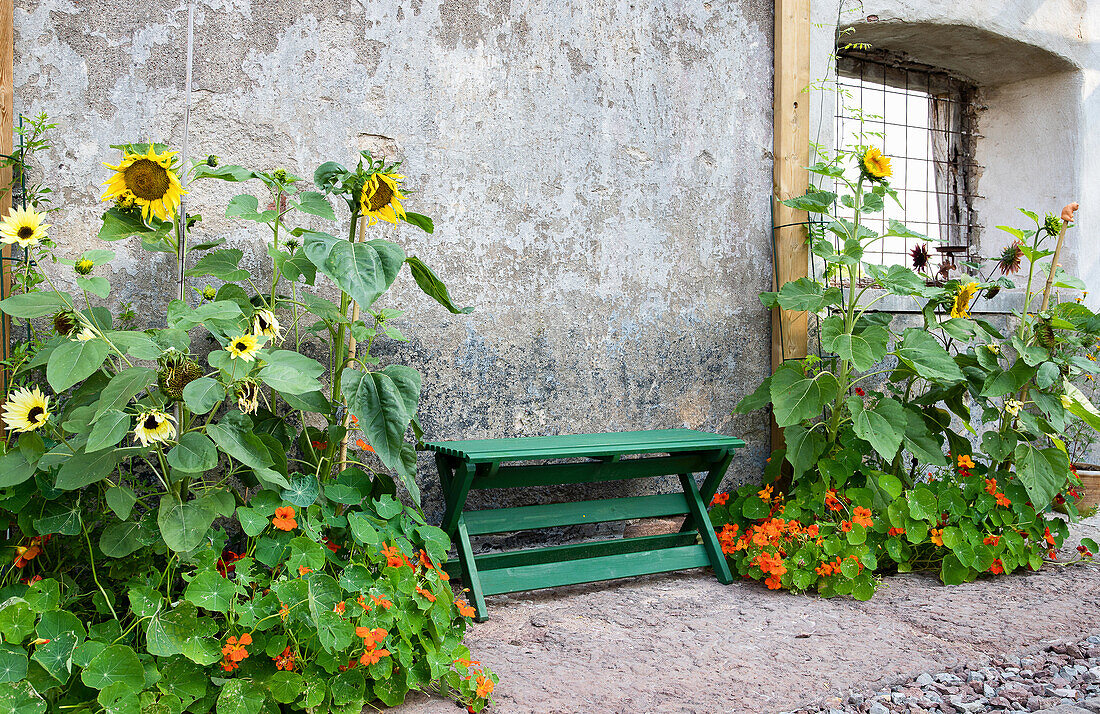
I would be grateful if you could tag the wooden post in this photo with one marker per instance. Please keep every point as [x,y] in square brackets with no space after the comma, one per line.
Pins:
[791,147]
[7,115]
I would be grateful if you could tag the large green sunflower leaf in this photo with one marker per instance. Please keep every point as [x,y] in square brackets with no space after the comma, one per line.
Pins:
[362,270]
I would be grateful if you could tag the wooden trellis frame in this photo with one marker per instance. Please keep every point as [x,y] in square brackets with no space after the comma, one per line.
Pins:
[7,114]
[791,147]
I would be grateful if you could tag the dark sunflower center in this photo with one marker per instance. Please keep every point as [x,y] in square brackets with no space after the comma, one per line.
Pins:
[383,194]
[147,179]
[25,232]
[151,422]
[34,413]
[241,346]
[263,323]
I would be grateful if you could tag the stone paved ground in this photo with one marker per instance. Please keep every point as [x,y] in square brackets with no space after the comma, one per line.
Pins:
[684,643]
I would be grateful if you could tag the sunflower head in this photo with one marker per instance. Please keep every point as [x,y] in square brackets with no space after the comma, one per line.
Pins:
[149,179]
[83,266]
[960,307]
[920,257]
[1044,332]
[174,376]
[380,197]
[265,323]
[26,409]
[1009,261]
[208,293]
[23,226]
[243,347]
[876,166]
[154,427]
[65,322]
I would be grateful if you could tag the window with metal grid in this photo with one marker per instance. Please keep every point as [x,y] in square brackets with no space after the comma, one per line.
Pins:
[923,120]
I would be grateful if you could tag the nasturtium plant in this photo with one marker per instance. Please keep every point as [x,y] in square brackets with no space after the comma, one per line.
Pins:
[206,515]
[936,445]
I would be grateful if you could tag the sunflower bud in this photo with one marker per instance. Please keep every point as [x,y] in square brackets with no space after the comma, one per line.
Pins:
[992,291]
[64,322]
[212,161]
[209,293]
[84,266]
[1052,224]
[175,375]
[279,175]
[292,244]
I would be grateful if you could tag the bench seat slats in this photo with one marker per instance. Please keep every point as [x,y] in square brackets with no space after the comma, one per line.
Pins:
[585,445]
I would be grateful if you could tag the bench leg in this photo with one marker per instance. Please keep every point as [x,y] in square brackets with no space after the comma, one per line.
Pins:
[706,532]
[456,496]
[469,571]
[710,484]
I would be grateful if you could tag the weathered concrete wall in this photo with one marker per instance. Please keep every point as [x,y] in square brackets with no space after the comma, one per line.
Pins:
[599,173]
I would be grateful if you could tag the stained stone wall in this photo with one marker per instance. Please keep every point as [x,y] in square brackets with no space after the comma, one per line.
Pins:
[599,172]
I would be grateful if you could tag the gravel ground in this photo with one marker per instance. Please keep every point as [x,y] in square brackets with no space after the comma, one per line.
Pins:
[682,642]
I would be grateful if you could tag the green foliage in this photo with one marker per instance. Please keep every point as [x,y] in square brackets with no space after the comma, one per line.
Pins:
[188,539]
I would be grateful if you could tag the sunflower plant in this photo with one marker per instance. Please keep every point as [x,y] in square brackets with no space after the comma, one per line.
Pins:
[206,514]
[886,408]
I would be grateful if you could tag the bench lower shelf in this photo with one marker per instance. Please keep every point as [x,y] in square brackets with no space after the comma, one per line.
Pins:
[537,568]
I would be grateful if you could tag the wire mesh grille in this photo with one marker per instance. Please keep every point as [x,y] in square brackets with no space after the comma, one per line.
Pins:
[923,120]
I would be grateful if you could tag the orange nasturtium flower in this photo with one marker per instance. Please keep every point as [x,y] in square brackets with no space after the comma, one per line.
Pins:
[1002,500]
[467,663]
[965,461]
[484,686]
[997,568]
[464,609]
[371,638]
[394,557]
[846,526]
[991,486]
[831,501]
[936,534]
[426,593]
[283,611]
[720,499]
[374,655]
[339,608]
[234,652]
[991,540]
[364,445]
[285,661]
[765,493]
[1048,537]
[303,569]
[284,518]
[386,604]
[862,516]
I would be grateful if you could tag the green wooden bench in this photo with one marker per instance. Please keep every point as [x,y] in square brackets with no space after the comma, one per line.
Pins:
[480,464]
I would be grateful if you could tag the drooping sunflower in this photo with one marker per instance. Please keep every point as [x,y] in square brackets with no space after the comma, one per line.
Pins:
[961,306]
[243,347]
[150,180]
[875,165]
[1009,262]
[154,426]
[265,323]
[23,226]
[26,409]
[248,397]
[381,197]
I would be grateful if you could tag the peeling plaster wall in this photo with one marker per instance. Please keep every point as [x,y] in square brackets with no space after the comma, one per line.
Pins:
[599,173]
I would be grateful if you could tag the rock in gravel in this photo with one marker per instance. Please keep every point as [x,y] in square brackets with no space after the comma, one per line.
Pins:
[877,708]
[925,679]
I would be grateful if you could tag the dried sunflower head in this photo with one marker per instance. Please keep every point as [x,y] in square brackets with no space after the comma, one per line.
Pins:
[65,322]
[920,257]
[1009,262]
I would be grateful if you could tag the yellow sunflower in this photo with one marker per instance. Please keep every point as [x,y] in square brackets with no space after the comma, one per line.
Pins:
[243,347]
[381,197]
[149,179]
[26,409]
[154,427]
[265,323]
[876,165]
[23,226]
[961,306]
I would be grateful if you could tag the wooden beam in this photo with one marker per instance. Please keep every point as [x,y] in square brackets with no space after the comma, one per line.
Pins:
[791,147]
[7,118]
